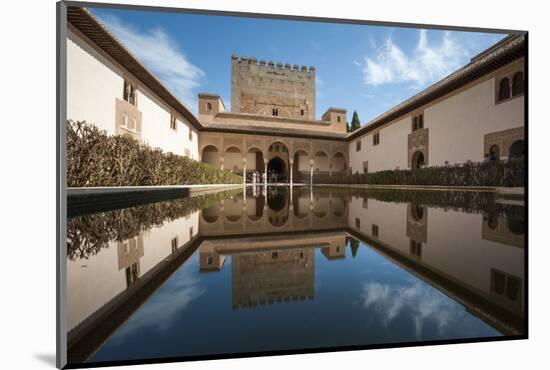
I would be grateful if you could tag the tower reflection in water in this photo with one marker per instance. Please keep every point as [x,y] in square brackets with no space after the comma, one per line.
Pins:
[277,248]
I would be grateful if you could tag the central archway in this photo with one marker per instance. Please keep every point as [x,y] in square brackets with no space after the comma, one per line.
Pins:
[276,170]
[418,160]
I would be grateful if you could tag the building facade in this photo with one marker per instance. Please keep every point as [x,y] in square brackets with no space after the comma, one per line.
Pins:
[476,112]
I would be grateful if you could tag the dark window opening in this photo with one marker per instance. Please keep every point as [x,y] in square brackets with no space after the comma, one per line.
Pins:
[504,89]
[416,248]
[517,84]
[375,231]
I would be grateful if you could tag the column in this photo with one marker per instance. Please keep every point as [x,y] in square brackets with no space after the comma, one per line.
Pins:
[291,171]
[265,171]
[221,163]
[311,163]
[244,170]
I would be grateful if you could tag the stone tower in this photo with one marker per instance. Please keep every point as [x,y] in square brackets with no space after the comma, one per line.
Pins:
[270,89]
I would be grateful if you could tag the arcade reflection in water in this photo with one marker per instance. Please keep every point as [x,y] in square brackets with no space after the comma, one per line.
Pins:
[283,245]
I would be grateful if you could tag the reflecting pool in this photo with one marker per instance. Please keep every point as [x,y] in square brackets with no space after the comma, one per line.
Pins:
[274,269]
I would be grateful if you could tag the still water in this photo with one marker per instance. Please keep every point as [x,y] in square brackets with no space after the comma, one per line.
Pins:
[290,269]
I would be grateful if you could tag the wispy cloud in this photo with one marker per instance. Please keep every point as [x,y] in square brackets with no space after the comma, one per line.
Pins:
[424,64]
[415,302]
[160,53]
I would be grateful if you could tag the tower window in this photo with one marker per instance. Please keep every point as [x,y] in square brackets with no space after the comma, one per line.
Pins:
[275,112]
[302,112]
[208,107]
[358,146]
[338,119]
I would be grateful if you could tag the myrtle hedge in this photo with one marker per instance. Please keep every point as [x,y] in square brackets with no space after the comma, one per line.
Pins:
[87,235]
[508,173]
[95,158]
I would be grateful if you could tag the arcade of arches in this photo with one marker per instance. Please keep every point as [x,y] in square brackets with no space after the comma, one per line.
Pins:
[288,160]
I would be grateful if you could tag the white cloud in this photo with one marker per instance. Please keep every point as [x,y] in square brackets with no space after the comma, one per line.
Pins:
[161,54]
[426,63]
[417,302]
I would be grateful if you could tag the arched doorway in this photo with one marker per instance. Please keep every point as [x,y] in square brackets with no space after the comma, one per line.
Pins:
[276,170]
[211,156]
[254,163]
[278,162]
[517,149]
[321,163]
[418,160]
[278,206]
[233,160]
[338,163]
[301,165]
[417,212]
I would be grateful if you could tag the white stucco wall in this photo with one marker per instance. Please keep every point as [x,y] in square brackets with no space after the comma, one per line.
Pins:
[454,246]
[457,125]
[389,154]
[94,81]
[95,281]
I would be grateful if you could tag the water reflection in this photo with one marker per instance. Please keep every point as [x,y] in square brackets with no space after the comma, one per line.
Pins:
[319,268]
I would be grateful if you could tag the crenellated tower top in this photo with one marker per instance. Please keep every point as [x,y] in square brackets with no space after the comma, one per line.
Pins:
[272,88]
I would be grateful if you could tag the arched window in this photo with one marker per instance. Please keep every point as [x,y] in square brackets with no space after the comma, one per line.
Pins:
[517,149]
[504,89]
[517,84]
[420,121]
[415,123]
[208,107]
[338,118]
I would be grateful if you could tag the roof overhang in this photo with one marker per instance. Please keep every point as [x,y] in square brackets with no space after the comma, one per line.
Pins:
[86,23]
[511,48]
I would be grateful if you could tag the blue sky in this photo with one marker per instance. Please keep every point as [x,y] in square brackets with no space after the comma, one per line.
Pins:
[365,68]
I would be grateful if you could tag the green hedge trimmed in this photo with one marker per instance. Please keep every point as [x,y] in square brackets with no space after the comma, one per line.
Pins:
[89,234]
[97,159]
[509,173]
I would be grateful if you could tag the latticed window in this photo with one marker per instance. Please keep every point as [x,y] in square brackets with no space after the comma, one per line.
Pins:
[416,248]
[129,93]
[504,89]
[517,84]
[375,230]
[173,124]
[376,139]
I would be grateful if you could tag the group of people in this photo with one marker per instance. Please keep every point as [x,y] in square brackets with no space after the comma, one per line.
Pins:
[259,177]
